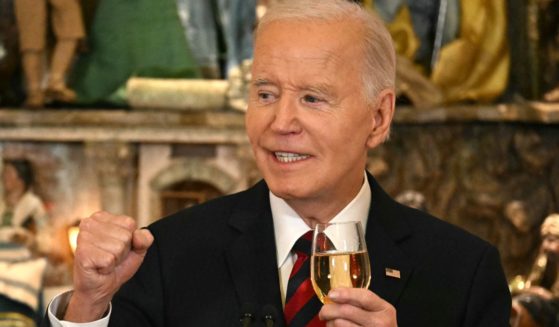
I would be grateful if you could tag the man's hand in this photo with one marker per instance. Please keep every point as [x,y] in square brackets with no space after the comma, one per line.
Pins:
[110,250]
[357,307]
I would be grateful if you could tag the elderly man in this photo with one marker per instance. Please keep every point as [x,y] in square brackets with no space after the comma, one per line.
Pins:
[322,95]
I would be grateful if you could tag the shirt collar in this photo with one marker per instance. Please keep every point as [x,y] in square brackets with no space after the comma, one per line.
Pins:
[288,225]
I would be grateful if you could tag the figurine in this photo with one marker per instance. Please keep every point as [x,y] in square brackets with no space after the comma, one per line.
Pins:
[22,216]
[460,46]
[535,297]
[67,25]
[22,213]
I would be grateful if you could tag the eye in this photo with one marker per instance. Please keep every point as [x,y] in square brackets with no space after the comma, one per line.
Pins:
[266,97]
[311,99]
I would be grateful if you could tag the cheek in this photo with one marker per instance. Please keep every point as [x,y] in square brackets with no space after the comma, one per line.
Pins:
[255,126]
[250,123]
[356,132]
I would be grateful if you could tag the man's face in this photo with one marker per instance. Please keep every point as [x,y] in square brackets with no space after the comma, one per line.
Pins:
[307,120]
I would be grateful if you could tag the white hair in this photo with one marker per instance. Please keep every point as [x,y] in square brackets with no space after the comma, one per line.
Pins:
[380,59]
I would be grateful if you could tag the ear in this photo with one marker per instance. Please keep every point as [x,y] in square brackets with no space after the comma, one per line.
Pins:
[383,111]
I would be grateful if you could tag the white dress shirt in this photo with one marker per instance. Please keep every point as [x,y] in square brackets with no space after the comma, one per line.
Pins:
[288,227]
[60,302]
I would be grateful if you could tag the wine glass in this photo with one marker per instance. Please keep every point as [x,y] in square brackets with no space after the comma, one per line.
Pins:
[339,258]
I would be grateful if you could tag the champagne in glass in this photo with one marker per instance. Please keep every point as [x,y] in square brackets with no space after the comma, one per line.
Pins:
[339,258]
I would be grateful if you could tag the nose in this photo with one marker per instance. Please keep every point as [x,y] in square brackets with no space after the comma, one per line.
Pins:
[286,117]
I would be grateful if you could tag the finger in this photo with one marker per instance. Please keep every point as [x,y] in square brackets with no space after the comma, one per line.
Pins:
[94,259]
[120,220]
[102,228]
[141,240]
[349,315]
[95,232]
[342,314]
[112,239]
[359,306]
[359,297]
[340,323]
[117,247]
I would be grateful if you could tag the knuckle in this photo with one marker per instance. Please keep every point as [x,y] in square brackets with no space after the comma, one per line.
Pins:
[347,310]
[98,214]
[91,224]
[129,222]
[120,248]
[85,224]
[83,260]
[83,237]
[108,260]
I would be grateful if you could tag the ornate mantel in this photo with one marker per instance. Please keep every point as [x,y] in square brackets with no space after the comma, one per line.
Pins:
[492,169]
[101,125]
[218,126]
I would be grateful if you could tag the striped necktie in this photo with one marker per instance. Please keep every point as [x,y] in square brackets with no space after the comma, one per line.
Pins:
[301,303]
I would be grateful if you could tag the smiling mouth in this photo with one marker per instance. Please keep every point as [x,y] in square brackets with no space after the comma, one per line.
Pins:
[287,157]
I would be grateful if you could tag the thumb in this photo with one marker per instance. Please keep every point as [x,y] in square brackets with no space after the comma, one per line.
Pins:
[141,241]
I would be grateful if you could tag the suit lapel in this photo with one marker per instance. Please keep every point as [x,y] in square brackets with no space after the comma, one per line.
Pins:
[390,267]
[252,255]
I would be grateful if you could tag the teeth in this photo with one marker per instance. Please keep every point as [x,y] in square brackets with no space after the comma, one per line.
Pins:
[290,157]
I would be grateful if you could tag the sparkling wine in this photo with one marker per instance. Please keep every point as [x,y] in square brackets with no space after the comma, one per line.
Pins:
[339,269]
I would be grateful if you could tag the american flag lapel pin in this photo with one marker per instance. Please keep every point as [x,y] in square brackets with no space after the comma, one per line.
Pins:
[395,273]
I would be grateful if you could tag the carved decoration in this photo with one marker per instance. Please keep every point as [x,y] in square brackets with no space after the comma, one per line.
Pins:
[497,181]
[114,166]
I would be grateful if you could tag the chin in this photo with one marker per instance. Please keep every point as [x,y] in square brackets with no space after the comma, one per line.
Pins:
[286,192]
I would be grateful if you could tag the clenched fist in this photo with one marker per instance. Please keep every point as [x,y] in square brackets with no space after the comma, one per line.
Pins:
[110,250]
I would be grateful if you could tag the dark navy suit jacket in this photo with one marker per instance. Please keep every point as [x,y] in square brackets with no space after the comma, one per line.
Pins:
[211,262]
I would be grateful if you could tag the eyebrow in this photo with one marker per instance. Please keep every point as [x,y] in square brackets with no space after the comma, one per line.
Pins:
[261,82]
[322,88]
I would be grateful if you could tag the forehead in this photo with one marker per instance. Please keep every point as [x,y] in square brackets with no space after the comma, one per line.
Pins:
[307,46]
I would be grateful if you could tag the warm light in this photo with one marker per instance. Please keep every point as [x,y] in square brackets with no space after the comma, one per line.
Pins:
[73,237]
